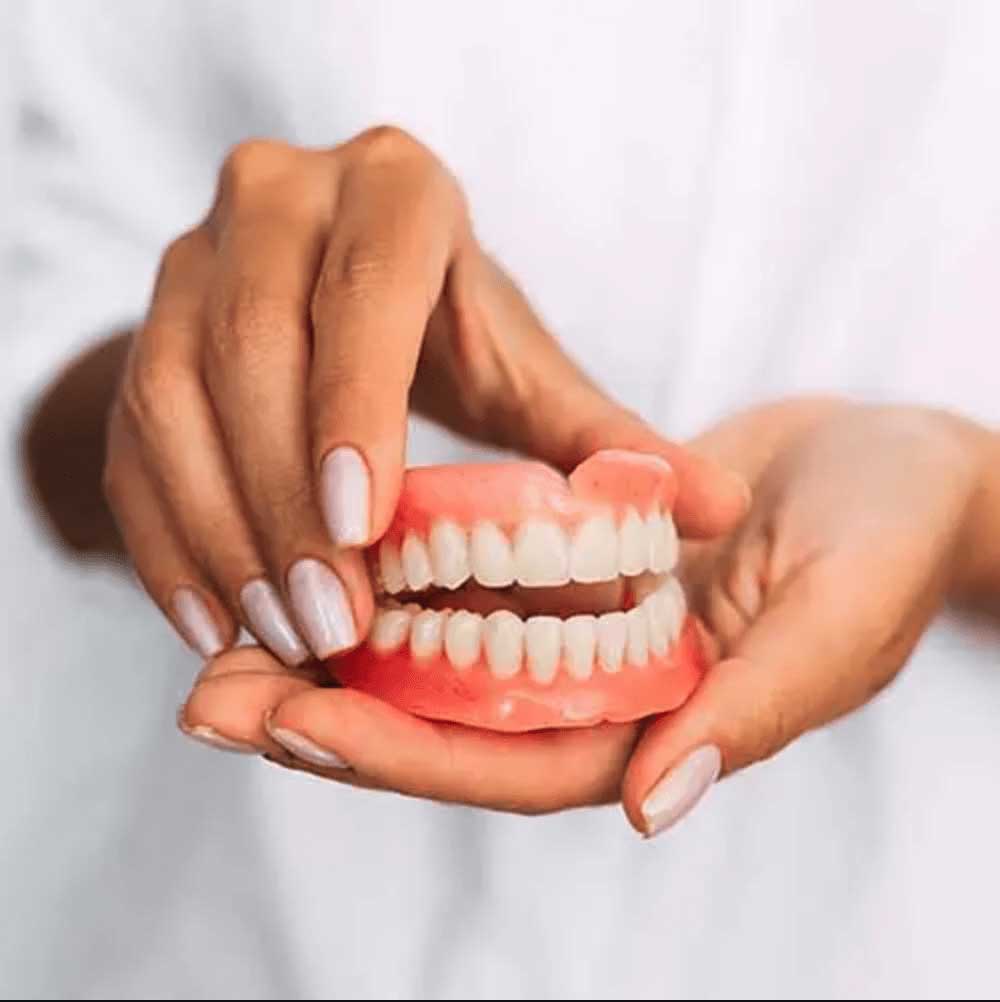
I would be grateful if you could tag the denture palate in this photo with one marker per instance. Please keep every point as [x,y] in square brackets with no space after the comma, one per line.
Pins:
[639,548]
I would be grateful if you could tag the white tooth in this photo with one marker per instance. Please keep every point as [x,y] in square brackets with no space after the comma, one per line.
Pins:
[580,640]
[463,637]
[543,644]
[503,638]
[541,555]
[633,552]
[663,543]
[675,604]
[593,554]
[389,630]
[637,646]
[658,622]
[427,634]
[654,540]
[612,633]
[390,567]
[491,556]
[449,551]
[416,563]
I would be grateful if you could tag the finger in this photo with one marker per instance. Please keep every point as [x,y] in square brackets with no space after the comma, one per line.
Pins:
[233,696]
[527,773]
[796,668]
[256,362]
[164,400]
[162,561]
[399,217]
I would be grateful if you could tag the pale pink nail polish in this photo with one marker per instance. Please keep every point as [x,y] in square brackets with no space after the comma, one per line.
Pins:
[680,788]
[211,737]
[321,607]
[345,496]
[301,747]
[263,607]
[195,622]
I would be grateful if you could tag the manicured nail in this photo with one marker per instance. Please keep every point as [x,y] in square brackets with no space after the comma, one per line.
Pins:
[345,496]
[195,623]
[321,607]
[264,609]
[211,737]
[301,747]
[680,788]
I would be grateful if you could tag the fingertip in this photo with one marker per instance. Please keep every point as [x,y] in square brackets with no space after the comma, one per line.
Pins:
[345,496]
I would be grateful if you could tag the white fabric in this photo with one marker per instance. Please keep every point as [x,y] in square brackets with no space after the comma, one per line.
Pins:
[712,204]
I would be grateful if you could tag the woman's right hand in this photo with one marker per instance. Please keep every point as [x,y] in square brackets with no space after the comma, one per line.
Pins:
[257,441]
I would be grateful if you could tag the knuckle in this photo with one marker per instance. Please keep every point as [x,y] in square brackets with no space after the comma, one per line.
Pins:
[354,277]
[251,162]
[386,142]
[179,256]
[149,396]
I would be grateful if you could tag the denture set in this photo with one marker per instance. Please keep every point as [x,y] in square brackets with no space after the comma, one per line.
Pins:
[512,598]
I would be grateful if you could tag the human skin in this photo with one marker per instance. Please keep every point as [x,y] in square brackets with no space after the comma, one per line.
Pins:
[814,602]
[211,505]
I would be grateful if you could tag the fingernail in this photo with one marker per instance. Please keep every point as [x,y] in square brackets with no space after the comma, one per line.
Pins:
[195,623]
[680,788]
[211,737]
[345,496]
[301,747]
[264,609]
[321,607]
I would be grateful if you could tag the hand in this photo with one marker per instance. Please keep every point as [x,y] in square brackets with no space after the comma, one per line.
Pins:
[814,604]
[258,436]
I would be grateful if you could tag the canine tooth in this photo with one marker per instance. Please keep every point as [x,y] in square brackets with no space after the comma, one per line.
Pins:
[389,630]
[612,634]
[654,541]
[637,645]
[579,641]
[390,567]
[543,643]
[658,618]
[463,637]
[416,563]
[427,634]
[633,543]
[675,602]
[491,556]
[593,554]
[449,552]
[541,555]
[663,543]
[503,638]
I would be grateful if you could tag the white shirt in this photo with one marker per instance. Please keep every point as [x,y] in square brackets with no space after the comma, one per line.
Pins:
[710,204]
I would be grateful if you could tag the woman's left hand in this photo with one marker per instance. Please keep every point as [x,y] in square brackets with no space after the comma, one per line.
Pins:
[856,537]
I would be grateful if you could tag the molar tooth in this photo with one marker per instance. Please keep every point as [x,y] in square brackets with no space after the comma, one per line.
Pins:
[463,637]
[612,634]
[416,563]
[633,542]
[637,645]
[427,634]
[449,553]
[543,644]
[503,638]
[390,567]
[579,641]
[491,556]
[389,630]
[594,551]
[658,618]
[541,555]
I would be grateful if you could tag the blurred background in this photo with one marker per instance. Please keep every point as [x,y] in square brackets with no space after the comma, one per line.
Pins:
[782,198]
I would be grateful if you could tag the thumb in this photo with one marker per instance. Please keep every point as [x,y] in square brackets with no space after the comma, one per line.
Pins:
[794,669]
